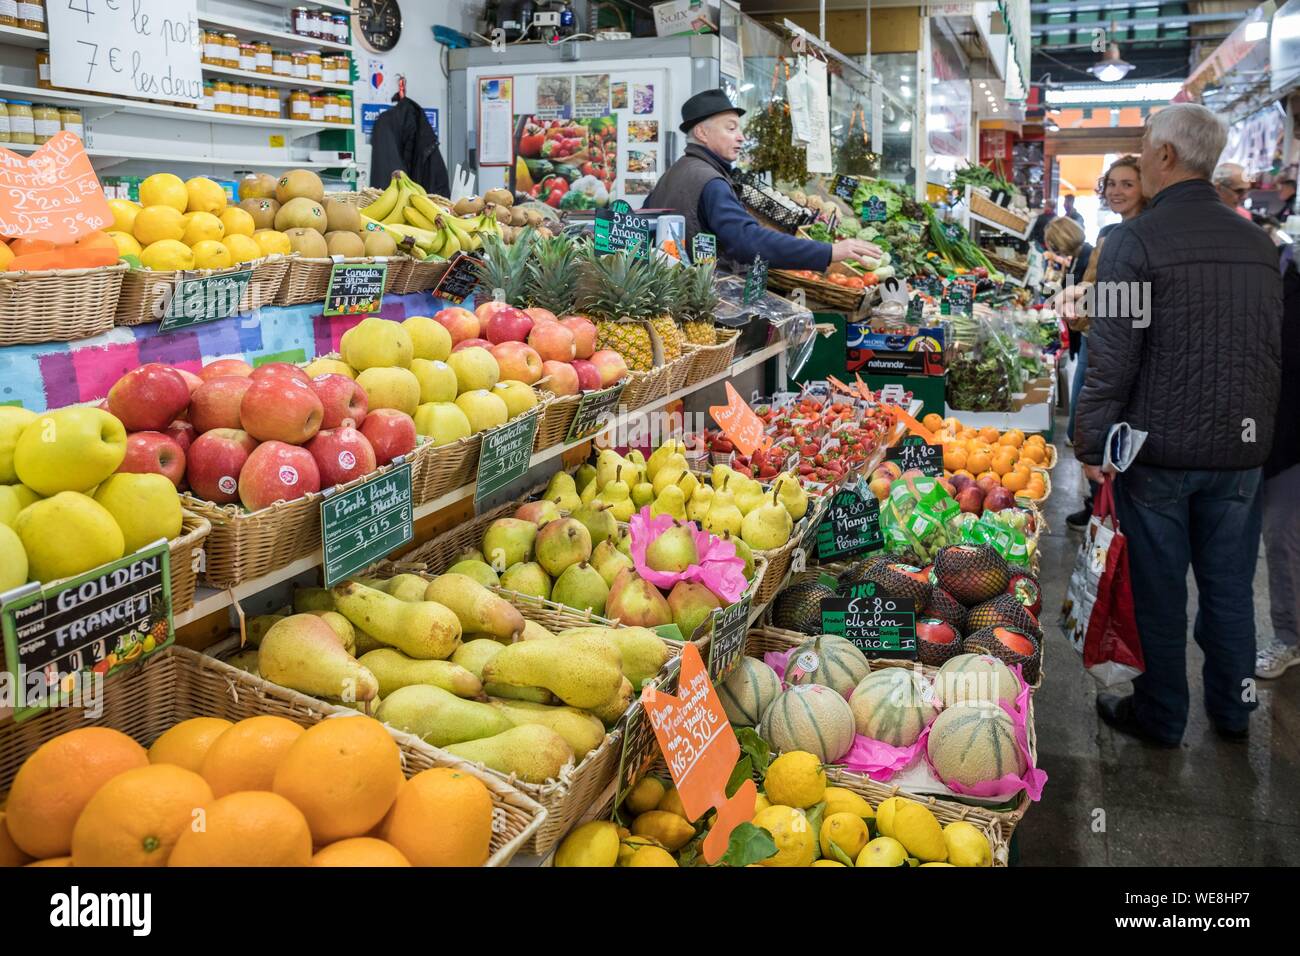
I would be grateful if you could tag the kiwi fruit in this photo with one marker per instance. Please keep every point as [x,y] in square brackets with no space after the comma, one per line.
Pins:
[518,216]
[262,210]
[502,213]
[534,218]
[301,213]
[299,183]
[342,217]
[379,243]
[501,197]
[468,206]
[308,243]
[346,244]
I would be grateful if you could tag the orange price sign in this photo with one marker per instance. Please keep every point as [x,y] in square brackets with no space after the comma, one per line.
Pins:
[915,427]
[53,194]
[701,750]
[739,423]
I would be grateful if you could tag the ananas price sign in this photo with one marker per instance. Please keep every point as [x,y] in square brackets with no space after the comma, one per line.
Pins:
[878,624]
[61,639]
[363,524]
[618,228]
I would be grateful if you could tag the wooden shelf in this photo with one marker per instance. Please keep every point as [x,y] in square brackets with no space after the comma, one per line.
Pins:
[262,163]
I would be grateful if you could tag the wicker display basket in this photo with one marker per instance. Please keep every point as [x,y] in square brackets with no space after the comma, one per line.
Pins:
[448,467]
[309,279]
[645,387]
[838,297]
[360,198]
[711,360]
[419,275]
[180,683]
[184,566]
[554,429]
[678,371]
[985,207]
[779,559]
[142,288]
[58,305]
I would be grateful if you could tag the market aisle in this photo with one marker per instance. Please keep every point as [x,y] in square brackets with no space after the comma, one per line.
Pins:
[1204,804]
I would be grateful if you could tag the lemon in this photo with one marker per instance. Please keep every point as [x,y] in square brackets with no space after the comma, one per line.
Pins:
[652,856]
[242,248]
[935,864]
[203,195]
[210,254]
[885,815]
[761,803]
[124,213]
[828,863]
[672,803]
[648,790]
[847,831]
[166,254]
[883,851]
[164,189]
[795,779]
[592,844]
[237,221]
[126,244]
[203,226]
[791,833]
[157,222]
[628,846]
[841,800]
[667,829]
[270,241]
[967,846]
[916,828]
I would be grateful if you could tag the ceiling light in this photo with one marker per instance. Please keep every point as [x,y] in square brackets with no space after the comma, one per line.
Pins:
[905,126]
[983,86]
[905,91]
[1111,66]
[747,87]
[1256,30]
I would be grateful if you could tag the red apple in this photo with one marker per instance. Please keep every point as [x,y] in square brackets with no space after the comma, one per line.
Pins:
[472,344]
[277,471]
[342,398]
[280,368]
[153,453]
[148,398]
[484,312]
[553,342]
[584,334]
[216,402]
[225,367]
[518,362]
[538,314]
[460,323]
[215,460]
[987,483]
[611,365]
[182,433]
[999,498]
[341,454]
[971,500]
[509,325]
[281,408]
[936,631]
[562,378]
[191,380]
[390,432]
[589,379]
[961,481]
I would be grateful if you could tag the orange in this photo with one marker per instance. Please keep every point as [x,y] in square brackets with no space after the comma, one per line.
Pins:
[360,851]
[1036,439]
[136,818]
[56,782]
[989,434]
[10,854]
[952,424]
[1003,463]
[1015,481]
[185,743]
[1032,453]
[343,774]
[969,433]
[1015,437]
[246,756]
[932,422]
[978,461]
[53,861]
[254,828]
[442,817]
[954,457]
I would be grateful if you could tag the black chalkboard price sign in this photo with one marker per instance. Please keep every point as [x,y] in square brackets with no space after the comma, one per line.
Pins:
[912,451]
[850,526]
[595,411]
[879,625]
[845,187]
[459,281]
[355,288]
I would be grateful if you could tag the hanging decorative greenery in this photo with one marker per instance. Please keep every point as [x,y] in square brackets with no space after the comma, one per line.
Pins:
[772,133]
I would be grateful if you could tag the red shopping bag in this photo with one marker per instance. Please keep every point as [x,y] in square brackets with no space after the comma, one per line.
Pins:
[1098,610]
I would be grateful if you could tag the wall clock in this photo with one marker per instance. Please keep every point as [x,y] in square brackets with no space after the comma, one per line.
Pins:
[379,24]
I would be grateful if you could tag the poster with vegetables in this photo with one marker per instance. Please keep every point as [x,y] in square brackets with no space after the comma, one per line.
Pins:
[572,164]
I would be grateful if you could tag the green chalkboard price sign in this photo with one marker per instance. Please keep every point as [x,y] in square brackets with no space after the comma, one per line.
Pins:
[363,524]
[704,248]
[755,281]
[640,746]
[595,411]
[459,281]
[505,455]
[206,299]
[730,627]
[355,288]
[618,228]
[879,625]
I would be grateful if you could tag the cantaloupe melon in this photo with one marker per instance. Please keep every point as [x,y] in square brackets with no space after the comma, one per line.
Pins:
[748,691]
[975,678]
[836,663]
[893,705]
[809,717]
[970,745]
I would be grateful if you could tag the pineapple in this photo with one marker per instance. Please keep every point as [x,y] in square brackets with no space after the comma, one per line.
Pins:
[699,302]
[504,266]
[553,276]
[667,296]
[617,294]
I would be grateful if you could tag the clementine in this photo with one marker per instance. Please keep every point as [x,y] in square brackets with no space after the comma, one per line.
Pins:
[10,854]
[442,817]
[136,818]
[246,756]
[185,744]
[360,851]
[254,828]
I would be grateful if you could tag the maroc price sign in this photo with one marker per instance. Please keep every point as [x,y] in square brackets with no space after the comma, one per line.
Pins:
[58,638]
[877,624]
[700,749]
[363,524]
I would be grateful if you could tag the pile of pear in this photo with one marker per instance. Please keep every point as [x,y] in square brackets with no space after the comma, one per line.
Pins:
[451,662]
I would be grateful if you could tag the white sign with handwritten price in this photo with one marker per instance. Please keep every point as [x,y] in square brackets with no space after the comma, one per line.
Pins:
[146,48]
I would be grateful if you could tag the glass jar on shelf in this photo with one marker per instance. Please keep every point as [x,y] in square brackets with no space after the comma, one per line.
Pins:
[256,105]
[327,69]
[239,99]
[31,15]
[43,70]
[317,108]
[230,50]
[4,122]
[71,120]
[9,13]
[221,96]
[299,105]
[214,51]
[209,101]
[22,126]
[299,65]
[314,65]
[300,20]
[45,122]
[263,57]
[282,63]
[345,108]
[248,57]
[331,108]
[341,28]
[270,101]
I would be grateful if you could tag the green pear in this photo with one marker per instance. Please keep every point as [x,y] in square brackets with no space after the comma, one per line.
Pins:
[608,463]
[477,608]
[618,496]
[643,652]
[509,541]
[598,516]
[580,672]
[312,599]
[635,602]
[699,504]
[527,578]
[478,570]
[562,491]
[534,695]
[589,493]
[692,605]
[439,717]
[744,552]
[257,627]
[720,475]
[468,554]
[750,497]
[420,629]
[366,642]
[563,543]
[723,517]
[658,457]
[616,706]
[669,473]
[303,653]
[581,731]
[473,654]
[393,669]
[538,512]
[530,752]
[608,560]
[670,502]
[793,495]
[624,543]
[405,587]
[642,494]
[635,457]
[673,551]
[581,587]
[245,660]
[768,525]
[342,627]
[535,632]
[586,474]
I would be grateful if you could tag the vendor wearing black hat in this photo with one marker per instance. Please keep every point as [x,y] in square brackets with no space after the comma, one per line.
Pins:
[699,187]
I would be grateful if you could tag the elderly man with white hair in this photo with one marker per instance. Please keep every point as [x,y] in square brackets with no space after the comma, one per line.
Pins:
[1198,368]
[1232,185]
[700,188]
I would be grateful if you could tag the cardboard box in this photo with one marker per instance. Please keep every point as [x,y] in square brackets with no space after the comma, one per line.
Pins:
[685,16]
[920,353]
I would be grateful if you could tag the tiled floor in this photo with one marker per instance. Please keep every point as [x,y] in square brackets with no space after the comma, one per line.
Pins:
[1113,800]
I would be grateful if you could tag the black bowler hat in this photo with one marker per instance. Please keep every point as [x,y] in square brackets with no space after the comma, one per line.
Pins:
[703,105]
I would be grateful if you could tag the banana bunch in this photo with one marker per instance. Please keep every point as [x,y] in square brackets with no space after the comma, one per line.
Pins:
[407,212]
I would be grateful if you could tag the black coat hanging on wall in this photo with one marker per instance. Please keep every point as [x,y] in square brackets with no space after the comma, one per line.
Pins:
[403,139]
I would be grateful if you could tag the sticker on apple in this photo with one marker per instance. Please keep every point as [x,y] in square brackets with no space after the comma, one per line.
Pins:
[227,484]
[347,460]
[288,475]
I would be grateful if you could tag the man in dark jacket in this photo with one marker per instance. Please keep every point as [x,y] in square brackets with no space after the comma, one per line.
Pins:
[699,187]
[1185,345]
